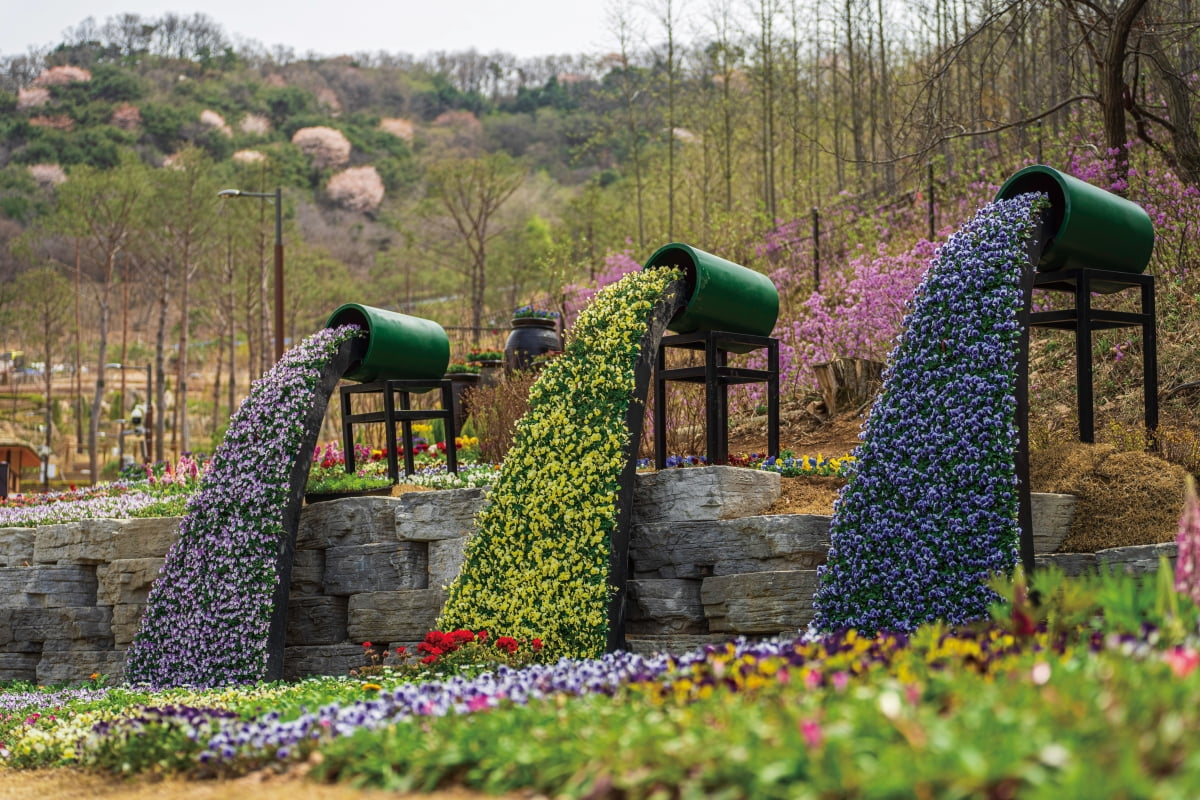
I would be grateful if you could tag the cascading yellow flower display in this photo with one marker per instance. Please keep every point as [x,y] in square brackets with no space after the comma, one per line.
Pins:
[538,563]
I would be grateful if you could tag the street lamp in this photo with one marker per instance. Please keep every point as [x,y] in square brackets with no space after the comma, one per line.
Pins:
[277,196]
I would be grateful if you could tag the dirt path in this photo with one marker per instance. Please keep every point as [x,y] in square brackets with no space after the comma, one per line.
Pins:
[68,784]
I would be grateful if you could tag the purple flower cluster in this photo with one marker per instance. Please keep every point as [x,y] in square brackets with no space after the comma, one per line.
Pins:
[271,737]
[207,616]
[931,507]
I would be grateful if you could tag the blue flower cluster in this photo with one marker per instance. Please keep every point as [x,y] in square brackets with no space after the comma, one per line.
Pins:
[931,507]
[208,614]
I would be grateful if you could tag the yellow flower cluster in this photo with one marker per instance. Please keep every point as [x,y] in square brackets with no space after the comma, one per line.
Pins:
[538,563]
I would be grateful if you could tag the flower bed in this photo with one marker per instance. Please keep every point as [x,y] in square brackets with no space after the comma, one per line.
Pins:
[1053,701]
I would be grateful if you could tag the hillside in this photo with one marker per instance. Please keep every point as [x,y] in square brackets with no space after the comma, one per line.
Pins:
[460,187]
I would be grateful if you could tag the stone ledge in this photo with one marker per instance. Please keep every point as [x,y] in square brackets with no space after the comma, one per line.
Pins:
[48,586]
[660,607]
[760,602]
[348,522]
[316,621]
[702,493]
[376,568]
[16,546]
[394,616]
[433,516]
[699,549]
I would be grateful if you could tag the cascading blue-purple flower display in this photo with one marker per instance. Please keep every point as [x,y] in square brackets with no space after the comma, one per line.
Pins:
[208,614]
[930,509]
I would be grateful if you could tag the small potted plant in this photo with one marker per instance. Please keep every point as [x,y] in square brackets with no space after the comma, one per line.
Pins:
[462,377]
[490,363]
[534,332]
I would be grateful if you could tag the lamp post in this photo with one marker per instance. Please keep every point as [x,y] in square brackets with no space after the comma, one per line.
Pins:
[277,196]
[143,427]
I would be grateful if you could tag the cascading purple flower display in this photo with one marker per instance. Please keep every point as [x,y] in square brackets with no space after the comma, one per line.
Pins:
[931,506]
[208,614]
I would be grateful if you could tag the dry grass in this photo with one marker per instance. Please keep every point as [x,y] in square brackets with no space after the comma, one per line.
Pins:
[1124,498]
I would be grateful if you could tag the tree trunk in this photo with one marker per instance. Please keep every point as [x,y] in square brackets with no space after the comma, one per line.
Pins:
[160,370]
[1112,87]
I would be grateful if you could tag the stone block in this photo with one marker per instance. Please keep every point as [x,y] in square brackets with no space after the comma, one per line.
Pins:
[665,607]
[699,549]
[48,586]
[17,546]
[64,628]
[702,493]
[760,602]
[1052,515]
[316,620]
[1138,559]
[125,621]
[19,666]
[394,616]
[148,537]
[335,659]
[1072,564]
[433,516]
[348,522]
[376,567]
[71,666]
[75,542]
[445,561]
[308,572]
[126,581]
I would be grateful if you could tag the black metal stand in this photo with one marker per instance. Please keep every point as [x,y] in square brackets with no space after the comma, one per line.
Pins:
[406,416]
[717,376]
[1083,319]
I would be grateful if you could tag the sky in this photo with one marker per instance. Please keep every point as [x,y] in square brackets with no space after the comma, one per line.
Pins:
[524,28]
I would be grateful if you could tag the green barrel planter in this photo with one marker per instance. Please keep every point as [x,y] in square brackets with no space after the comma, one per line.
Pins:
[722,295]
[1092,228]
[397,346]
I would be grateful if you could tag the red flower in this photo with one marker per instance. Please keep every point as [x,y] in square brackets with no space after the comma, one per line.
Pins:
[401,650]
[536,644]
[366,645]
[507,644]
[428,659]
[463,635]
[482,636]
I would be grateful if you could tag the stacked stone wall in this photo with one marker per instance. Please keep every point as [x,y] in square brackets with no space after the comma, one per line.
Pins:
[706,566]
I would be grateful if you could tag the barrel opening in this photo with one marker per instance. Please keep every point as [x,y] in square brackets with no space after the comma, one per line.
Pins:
[352,315]
[681,258]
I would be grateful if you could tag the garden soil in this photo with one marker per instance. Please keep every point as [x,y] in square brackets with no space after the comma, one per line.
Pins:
[69,784]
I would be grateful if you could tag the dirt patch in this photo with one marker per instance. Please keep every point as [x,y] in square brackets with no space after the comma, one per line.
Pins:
[71,784]
[405,488]
[1124,498]
[806,495]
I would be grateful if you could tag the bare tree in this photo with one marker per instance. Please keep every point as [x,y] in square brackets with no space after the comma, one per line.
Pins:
[471,191]
[102,208]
